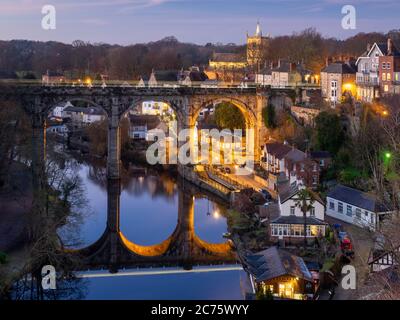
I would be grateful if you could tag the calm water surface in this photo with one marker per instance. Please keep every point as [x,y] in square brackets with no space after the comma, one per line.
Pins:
[149,213]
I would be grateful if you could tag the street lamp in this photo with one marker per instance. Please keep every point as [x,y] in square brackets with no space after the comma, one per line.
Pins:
[388,155]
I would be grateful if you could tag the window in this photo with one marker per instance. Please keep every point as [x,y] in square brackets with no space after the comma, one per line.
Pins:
[384,76]
[331,205]
[358,213]
[383,65]
[292,211]
[340,207]
[334,84]
[386,88]
[322,163]
[312,212]
[388,66]
[349,210]
[389,77]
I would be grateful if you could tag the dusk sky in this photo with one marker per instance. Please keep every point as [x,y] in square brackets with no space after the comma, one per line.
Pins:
[198,21]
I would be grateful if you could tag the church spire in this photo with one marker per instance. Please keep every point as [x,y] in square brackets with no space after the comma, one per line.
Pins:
[258,29]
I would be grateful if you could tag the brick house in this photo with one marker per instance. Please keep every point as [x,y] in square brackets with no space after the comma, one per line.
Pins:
[280,158]
[389,70]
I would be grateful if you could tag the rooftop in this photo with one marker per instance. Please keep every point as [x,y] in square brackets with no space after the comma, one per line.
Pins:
[279,150]
[337,67]
[297,220]
[357,198]
[228,57]
[273,262]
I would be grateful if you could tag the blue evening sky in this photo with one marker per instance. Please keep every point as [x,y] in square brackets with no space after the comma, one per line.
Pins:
[198,21]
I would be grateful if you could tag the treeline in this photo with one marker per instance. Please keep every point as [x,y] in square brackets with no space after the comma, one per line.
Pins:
[30,59]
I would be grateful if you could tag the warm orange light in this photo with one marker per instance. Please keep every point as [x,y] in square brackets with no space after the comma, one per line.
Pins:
[385,113]
[348,86]
[88,81]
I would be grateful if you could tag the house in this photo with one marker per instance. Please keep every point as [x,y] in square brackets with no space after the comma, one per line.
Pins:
[380,259]
[192,76]
[84,116]
[288,74]
[280,273]
[355,207]
[142,125]
[156,108]
[324,158]
[289,226]
[295,164]
[389,70]
[58,111]
[51,78]
[264,77]
[163,78]
[337,79]
[369,65]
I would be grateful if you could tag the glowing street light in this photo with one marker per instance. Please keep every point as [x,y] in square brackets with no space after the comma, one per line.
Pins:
[388,155]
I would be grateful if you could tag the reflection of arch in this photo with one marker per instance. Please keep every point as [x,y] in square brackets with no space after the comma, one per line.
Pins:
[248,114]
[146,251]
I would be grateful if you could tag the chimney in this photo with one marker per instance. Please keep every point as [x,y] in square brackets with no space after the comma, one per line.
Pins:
[368,47]
[390,47]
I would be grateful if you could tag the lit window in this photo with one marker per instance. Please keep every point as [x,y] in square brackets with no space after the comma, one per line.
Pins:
[384,76]
[386,88]
[389,77]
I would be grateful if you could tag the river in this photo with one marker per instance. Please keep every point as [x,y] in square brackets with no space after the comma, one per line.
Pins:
[148,216]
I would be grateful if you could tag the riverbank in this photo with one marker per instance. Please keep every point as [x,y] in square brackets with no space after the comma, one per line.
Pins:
[15,205]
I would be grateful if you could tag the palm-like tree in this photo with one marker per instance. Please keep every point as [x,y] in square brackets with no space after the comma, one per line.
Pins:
[305,200]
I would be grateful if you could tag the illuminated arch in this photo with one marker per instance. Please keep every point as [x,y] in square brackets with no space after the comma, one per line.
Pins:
[249,116]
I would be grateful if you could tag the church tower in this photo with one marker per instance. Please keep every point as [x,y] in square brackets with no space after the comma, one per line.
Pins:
[256,48]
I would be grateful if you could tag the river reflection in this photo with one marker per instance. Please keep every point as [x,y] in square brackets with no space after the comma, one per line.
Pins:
[149,208]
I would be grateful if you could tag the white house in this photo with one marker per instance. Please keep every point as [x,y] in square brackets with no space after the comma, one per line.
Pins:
[355,207]
[84,116]
[58,111]
[367,77]
[290,223]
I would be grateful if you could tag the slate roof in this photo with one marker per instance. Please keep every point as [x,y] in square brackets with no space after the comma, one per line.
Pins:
[384,48]
[297,220]
[272,263]
[295,155]
[357,198]
[342,68]
[166,75]
[277,149]
[292,191]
